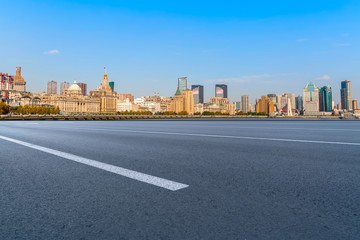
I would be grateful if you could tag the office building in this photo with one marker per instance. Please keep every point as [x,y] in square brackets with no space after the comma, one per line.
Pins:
[183,102]
[346,98]
[112,85]
[245,104]
[238,105]
[325,99]
[52,87]
[264,105]
[273,98]
[354,104]
[221,90]
[311,99]
[283,100]
[299,103]
[63,86]
[182,84]
[198,91]
[83,87]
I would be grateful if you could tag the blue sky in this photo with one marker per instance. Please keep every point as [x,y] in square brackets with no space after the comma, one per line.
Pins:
[256,47]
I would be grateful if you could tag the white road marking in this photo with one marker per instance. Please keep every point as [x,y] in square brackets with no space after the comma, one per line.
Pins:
[220,136]
[142,177]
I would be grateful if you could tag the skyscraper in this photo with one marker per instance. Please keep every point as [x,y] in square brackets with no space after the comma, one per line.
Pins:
[237,105]
[325,99]
[83,87]
[273,98]
[182,84]
[283,101]
[52,87]
[311,99]
[346,98]
[63,86]
[265,105]
[221,90]
[198,91]
[245,105]
[299,103]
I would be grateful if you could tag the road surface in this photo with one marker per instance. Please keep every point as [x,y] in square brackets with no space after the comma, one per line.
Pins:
[180,180]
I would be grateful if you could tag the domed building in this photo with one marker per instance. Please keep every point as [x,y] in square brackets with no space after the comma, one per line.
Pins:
[73,101]
[73,90]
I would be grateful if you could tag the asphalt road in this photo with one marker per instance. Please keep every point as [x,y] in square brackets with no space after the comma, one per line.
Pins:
[238,180]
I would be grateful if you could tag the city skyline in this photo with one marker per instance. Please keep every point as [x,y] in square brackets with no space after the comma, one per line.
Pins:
[153,45]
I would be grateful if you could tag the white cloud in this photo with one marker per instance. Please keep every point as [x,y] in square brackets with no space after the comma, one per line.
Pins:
[323,78]
[52,52]
[302,40]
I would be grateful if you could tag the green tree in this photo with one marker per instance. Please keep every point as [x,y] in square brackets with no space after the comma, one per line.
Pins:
[4,108]
[183,113]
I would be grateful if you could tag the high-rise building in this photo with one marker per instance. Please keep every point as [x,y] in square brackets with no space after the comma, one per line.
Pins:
[299,103]
[198,91]
[238,105]
[52,87]
[245,104]
[221,90]
[264,105]
[83,87]
[19,82]
[354,104]
[182,84]
[346,98]
[273,98]
[338,106]
[112,85]
[325,99]
[283,101]
[63,86]
[311,99]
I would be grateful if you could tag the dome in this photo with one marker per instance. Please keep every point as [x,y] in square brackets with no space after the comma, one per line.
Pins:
[74,87]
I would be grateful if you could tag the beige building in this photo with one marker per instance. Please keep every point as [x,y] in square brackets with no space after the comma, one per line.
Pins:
[72,101]
[108,98]
[19,82]
[264,105]
[219,104]
[183,101]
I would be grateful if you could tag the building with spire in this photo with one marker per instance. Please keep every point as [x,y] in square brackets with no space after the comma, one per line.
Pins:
[108,97]
[183,101]
[19,82]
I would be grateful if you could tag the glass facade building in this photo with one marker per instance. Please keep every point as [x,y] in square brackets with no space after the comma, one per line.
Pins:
[182,84]
[325,99]
[299,103]
[198,92]
[221,90]
[346,95]
[112,85]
